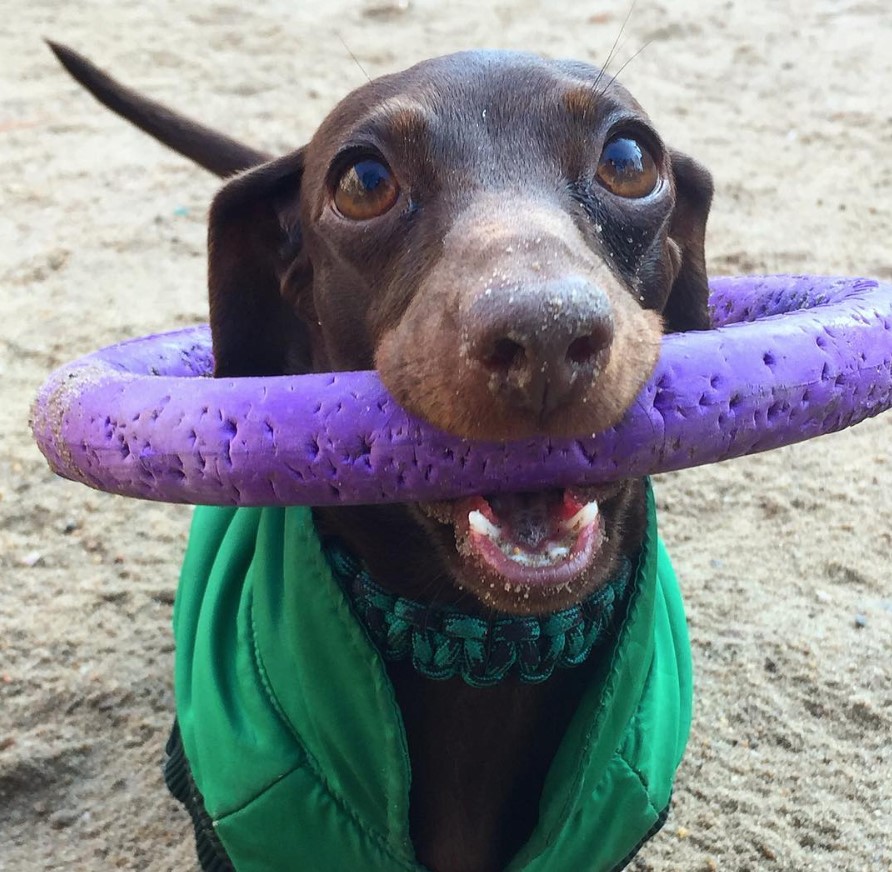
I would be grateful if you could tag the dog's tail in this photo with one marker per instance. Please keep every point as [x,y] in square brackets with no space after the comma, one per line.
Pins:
[208,148]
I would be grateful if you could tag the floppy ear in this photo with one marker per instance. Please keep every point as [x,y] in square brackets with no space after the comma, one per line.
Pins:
[686,308]
[253,240]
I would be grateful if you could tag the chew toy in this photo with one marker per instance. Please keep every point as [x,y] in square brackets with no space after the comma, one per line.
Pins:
[792,357]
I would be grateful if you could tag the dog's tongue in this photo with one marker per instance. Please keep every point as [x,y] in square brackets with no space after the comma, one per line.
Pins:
[538,539]
[531,520]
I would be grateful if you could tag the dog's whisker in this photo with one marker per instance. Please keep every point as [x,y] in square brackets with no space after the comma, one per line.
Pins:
[613,48]
[626,63]
[353,56]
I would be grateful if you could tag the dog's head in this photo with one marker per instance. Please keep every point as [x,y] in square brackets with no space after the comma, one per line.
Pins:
[505,239]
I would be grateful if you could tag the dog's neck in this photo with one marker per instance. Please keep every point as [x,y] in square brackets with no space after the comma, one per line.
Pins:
[444,642]
[479,756]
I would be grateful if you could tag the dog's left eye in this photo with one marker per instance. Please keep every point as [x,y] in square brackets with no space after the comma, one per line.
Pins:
[627,168]
[366,189]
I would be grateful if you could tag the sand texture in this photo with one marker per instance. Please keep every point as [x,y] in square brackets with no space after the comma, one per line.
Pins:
[785,558]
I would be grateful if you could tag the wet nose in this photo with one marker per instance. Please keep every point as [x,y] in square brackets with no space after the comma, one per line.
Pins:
[541,346]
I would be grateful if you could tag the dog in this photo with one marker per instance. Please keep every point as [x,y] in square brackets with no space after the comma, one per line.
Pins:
[505,239]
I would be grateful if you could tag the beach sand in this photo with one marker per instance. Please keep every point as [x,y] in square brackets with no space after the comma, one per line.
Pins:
[784,558]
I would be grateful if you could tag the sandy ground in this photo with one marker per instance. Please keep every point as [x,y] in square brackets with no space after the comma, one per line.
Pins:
[785,558]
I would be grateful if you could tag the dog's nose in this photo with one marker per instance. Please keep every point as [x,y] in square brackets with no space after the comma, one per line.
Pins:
[541,346]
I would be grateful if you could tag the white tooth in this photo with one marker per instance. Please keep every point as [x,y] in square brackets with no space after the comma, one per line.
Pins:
[479,523]
[585,516]
[557,552]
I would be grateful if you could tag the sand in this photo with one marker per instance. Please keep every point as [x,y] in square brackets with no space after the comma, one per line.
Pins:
[784,558]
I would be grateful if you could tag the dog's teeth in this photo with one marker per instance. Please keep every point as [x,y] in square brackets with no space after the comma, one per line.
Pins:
[583,518]
[479,523]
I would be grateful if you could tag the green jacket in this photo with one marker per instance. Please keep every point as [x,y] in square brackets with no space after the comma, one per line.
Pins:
[294,739]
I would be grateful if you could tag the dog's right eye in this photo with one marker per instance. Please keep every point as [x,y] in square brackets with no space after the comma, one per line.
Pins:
[366,189]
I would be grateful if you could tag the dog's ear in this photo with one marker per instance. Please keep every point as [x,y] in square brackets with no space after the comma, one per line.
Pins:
[253,240]
[687,306]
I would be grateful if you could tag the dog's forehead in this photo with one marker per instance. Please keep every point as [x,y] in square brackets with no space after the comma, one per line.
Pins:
[467,84]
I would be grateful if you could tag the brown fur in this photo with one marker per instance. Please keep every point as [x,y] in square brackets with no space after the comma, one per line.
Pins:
[500,232]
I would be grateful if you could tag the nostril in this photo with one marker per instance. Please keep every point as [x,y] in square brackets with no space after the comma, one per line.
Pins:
[505,354]
[589,349]
[582,350]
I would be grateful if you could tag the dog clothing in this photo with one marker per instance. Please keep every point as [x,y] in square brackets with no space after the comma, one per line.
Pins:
[289,749]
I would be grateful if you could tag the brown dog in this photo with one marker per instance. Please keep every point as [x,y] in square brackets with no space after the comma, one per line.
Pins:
[504,239]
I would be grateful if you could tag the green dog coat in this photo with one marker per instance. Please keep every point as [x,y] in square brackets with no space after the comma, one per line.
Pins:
[293,745]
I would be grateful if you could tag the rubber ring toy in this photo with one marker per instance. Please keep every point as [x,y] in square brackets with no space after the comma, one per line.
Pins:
[792,357]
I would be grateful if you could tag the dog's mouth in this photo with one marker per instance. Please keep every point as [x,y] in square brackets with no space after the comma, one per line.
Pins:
[519,552]
[529,539]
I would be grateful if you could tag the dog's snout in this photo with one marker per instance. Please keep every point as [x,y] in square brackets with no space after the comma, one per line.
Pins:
[542,346]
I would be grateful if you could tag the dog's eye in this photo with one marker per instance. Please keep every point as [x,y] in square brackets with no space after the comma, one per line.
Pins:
[627,168]
[366,189]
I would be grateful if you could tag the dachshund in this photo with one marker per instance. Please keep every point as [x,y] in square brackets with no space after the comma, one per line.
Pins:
[505,239]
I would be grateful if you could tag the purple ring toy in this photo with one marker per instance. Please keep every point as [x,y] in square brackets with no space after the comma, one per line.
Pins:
[793,357]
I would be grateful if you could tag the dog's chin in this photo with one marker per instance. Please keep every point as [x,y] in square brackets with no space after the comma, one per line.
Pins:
[528,553]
